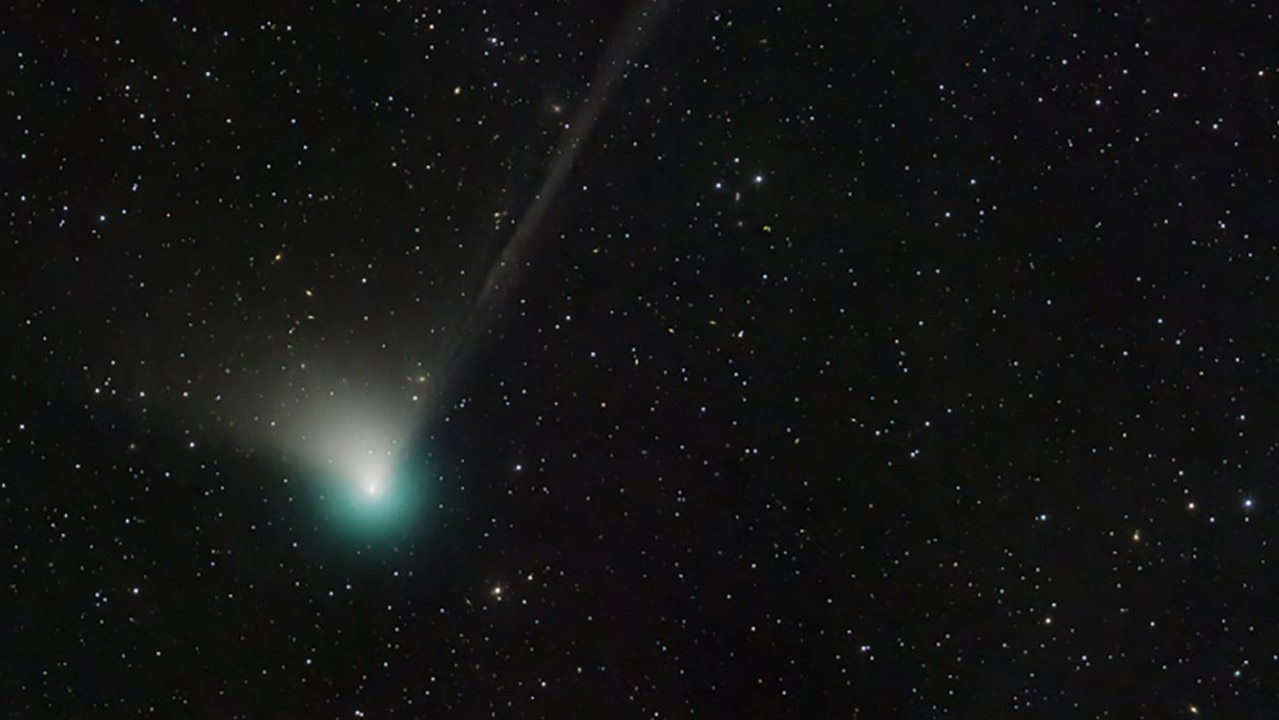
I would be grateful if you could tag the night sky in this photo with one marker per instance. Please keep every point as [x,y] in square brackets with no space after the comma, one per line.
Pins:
[657,359]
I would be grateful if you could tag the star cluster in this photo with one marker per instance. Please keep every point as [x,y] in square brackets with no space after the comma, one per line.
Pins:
[646,359]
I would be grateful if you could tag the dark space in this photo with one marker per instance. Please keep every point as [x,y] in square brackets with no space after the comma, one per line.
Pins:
[657,359]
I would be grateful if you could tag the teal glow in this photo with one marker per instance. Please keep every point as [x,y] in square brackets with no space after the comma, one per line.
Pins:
[367,476]
[375,501]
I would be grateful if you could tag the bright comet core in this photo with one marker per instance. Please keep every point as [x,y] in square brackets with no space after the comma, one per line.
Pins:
[358,455]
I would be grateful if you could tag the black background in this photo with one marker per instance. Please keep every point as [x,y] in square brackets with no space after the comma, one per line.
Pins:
[875,360]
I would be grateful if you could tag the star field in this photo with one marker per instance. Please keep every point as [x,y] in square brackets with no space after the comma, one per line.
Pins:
[651,359]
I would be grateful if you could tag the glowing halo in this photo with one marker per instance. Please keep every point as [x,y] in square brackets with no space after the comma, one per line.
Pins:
[357,452]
